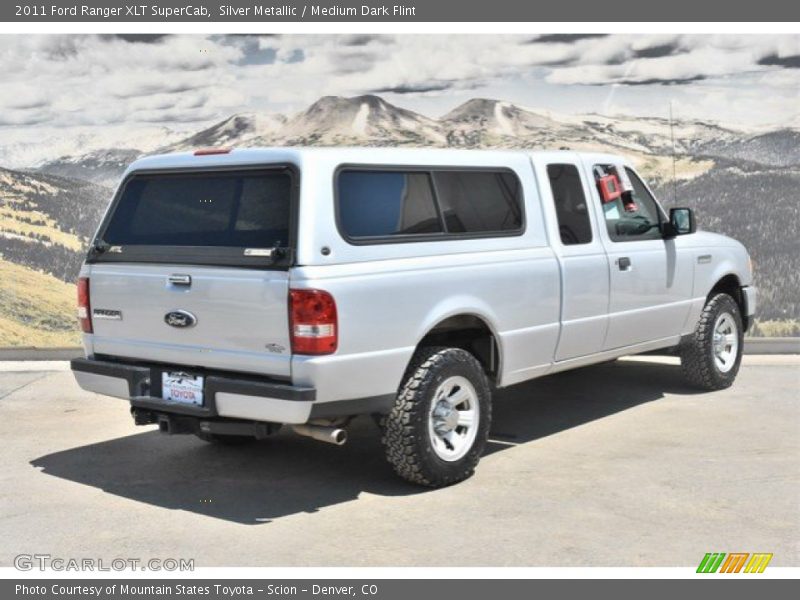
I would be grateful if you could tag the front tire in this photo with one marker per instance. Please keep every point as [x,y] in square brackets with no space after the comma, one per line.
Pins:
[438,428]
[711,357]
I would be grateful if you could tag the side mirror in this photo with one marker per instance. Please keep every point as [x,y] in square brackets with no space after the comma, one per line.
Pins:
[681,222]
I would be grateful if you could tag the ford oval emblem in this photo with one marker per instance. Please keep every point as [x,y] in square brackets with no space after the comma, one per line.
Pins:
[180,318]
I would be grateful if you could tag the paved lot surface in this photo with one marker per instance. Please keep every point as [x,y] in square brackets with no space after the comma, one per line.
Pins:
[613,465]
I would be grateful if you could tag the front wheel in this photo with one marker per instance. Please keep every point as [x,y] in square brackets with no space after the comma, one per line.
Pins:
[438,427]
[712,355]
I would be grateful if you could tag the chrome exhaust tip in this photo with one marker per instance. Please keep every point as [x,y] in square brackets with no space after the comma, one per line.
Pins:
[330,435]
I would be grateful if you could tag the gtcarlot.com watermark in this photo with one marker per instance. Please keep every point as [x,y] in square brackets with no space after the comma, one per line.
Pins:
[48,562]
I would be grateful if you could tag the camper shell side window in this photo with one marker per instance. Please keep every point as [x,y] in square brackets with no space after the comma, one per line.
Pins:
[389,204]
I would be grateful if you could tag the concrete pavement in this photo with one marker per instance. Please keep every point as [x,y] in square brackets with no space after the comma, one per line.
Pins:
[615,465]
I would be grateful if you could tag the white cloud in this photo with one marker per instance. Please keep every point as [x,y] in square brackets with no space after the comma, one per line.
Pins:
[72,80]
[101,80]
[22,96]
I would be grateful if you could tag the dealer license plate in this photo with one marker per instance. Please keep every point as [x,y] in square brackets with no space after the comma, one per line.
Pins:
[182,387]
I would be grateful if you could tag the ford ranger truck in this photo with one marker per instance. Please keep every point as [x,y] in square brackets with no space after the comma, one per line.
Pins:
[230,292]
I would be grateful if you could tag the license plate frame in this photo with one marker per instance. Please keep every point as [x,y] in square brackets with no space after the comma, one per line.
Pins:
[181,387]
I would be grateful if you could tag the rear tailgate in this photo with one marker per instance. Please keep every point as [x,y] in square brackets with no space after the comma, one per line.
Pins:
[190,267]
[235,319]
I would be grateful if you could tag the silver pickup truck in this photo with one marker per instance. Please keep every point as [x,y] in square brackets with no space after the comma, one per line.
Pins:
[229,292]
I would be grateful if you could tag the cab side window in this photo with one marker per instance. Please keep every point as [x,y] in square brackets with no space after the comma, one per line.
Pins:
[633,221]
[572,212]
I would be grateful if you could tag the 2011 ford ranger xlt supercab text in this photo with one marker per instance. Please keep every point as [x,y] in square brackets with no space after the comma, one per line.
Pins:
[229,292]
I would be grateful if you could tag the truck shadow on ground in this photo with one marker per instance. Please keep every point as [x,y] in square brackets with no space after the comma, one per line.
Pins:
[286,474]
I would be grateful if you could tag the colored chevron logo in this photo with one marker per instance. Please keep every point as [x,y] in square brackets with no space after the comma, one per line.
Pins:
[734,562]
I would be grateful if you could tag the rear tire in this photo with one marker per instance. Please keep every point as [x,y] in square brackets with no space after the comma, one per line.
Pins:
[438,428]
[711,357]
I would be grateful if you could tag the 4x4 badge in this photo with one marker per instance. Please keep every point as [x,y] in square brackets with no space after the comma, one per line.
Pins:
[180,318]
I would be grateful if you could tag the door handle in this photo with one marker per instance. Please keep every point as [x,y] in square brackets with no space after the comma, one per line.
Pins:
[177,279]
[624,263]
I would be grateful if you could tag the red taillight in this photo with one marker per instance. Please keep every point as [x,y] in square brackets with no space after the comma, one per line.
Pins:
[208,151]
[84,306]
[313,322]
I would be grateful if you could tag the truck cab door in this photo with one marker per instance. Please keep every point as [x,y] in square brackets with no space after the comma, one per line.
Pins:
[650,277]
[572,230]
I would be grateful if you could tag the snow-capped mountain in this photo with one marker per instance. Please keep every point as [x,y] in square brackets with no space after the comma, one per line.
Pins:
[238,130]
[650,134]
[96,154]
[370,120]
[22,148]
[331,120]
[487,122]
[483,121]
[102,167]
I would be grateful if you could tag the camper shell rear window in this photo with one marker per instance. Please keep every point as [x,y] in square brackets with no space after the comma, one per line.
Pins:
[219,217]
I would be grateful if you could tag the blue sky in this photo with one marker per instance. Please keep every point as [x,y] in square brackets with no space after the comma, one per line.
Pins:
[187,81]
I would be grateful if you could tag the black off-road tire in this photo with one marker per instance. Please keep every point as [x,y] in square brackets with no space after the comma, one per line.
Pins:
[225,440]
[697,352]
[405,435]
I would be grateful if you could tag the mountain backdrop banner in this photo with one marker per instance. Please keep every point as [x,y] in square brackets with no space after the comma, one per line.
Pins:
[713,122]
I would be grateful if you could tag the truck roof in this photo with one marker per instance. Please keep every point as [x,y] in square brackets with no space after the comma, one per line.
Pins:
[389,156]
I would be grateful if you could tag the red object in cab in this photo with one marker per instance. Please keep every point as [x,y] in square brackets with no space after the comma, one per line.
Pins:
[609,188]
